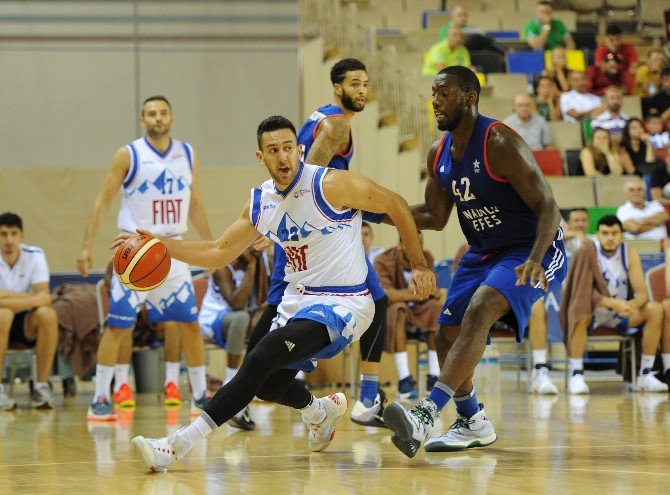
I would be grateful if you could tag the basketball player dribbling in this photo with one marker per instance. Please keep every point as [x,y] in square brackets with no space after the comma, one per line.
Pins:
[158,179]
[315,214]
[511,222]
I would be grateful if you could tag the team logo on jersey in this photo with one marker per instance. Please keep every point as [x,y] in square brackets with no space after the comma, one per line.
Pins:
[475,164]
[301,193]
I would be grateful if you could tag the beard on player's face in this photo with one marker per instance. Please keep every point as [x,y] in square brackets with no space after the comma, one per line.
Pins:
[453,121]
[349,103]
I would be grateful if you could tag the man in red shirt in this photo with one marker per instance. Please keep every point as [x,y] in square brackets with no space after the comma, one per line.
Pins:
[609,73]
[613,43]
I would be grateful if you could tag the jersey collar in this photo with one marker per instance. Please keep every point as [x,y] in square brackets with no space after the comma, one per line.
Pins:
[290,187]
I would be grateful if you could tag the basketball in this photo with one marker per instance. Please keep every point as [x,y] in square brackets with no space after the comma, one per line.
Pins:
[142,262]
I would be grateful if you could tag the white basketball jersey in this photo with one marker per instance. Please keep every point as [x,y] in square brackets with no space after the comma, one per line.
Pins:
[323,245]
[213,300]
[615,271]
[157,189]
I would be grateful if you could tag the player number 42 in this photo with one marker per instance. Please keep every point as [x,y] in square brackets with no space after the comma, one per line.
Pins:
[466,195]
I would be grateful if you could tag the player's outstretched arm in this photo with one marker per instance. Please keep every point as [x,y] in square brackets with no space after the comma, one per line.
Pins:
[110,186]
[349,190]
[332,134]
[434,212]
[209,254]
[510,158]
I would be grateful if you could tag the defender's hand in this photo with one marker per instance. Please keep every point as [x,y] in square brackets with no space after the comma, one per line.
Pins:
[533,272]
[422,282]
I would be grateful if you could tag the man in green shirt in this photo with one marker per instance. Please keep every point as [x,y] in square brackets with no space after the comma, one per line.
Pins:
[446,53]
[546,33]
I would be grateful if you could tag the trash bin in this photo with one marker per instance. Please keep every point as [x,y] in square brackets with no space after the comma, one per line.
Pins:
[148,375]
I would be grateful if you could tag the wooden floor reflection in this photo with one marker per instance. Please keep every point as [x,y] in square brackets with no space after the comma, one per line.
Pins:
[612,441]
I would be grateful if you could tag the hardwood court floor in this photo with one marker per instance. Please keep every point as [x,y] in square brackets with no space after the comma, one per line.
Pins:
[610,442]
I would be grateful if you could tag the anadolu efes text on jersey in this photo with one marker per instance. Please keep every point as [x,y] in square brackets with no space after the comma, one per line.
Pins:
[323,245]
[491,213]
[157,188]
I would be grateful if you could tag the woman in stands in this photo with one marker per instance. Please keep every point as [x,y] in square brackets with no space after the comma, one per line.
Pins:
[559,70]
[637,152]
[601,157]
[546,99]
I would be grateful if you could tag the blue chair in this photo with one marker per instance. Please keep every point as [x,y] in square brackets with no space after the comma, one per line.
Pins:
[528,63]
[647,182]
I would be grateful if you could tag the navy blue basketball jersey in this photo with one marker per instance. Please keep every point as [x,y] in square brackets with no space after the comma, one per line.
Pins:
[491,213]
[307,135]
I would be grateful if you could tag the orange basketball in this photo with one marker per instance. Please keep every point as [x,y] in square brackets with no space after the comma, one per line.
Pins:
[142,262]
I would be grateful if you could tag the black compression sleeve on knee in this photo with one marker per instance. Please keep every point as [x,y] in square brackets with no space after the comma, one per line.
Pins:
[282,388]
[297,341]
[262,326]
[372,340]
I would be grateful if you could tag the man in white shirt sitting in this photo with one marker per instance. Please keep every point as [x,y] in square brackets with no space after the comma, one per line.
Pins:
[528,124]
[578,104]
[26,315]
[641,219]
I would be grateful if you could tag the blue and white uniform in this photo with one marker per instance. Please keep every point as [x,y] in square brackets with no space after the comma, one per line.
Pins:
[499,227]
[326,268]
[306,137]
[615,272]
[156,197]
[215,307]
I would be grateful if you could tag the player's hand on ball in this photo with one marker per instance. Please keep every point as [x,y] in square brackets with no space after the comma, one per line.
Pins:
[124,236]
[533,272]
[422,282]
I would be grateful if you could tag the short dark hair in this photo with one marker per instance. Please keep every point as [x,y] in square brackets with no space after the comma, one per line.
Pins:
[273,123]
[466,80]
[156,98]
[340,69]
[613,30]
[9,219]
[609,221]
[546,2]
[366,224]
[665,71]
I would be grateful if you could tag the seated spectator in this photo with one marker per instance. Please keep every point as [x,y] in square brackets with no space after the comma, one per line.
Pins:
[658,136]
[394,271]
[368,237]
[636,149]
[612,119]
[578,104]
[601,157]
[446,53]
[559,70]
[660,102]
[574,235]
[601,276]
[528,124]
[613,44]
[546,33]
[459,18]
[609,73]
[659,179]
[27,317]
[546,99]
[641,219]
[648,76]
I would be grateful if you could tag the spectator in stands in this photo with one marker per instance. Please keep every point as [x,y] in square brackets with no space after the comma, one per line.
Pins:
[446,53]
[601,276]
[394,269]
[559,70]
[648,76]
[636,149]
[613,44]
[546,99]
[612,119]
[609,73]
[641,219]
[574,234]
[658,136]
[578,104]
[459,18]
[370,251]
[528,124]
[27,318]
[659,179]
[660,102]
[601,157]
[546,33]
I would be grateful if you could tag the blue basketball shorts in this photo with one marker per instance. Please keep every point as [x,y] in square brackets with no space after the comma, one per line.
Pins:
[496,269]
[173,300]
[372,282]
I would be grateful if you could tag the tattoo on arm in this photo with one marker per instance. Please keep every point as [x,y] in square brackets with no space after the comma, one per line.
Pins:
[328,143]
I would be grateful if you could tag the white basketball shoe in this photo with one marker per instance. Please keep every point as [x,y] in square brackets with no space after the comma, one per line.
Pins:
[541,384]
[411,428]
[321,434]
[647,382]
[465,434]
[577,385]
[160,453]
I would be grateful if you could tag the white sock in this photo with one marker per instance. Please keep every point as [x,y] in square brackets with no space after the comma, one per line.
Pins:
[198,380]
[666,361]
[103,379]
[401,364]
[314,412]
[647,362]
[41,384]
[433,364]
[576,364]
[196,431]
[539,356]
[230,373]
[120,375]
[172,372]
[300,375]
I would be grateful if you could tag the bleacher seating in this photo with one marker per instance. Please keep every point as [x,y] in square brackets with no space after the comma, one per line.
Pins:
[573,192]
[550,161]
[609,190]
[632,106]
[508,85]
[527,62]
[565,135]
[495,108]
[573,163]
[574,60]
